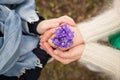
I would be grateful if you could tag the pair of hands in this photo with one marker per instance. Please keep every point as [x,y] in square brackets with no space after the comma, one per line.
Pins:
[47,29]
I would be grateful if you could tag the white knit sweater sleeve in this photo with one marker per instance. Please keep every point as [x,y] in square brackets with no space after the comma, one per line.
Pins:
[102,25]
[104,57]
[107,58]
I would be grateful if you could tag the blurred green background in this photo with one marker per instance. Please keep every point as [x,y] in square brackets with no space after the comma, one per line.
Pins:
[79,10]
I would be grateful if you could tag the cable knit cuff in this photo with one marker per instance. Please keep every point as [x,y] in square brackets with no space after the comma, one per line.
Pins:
[104,57]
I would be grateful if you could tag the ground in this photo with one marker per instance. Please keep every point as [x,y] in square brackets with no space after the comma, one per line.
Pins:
[79,10]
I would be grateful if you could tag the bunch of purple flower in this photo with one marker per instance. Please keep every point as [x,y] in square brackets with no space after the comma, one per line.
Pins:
[63,37]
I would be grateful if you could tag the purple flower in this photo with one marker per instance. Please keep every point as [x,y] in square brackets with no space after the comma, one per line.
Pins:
[63,37]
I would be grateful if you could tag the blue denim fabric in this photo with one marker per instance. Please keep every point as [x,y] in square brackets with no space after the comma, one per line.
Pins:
[26,10]
[15,48]
[11,1]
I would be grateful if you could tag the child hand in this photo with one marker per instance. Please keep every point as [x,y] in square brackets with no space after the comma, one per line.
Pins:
[77,39]
[52,23]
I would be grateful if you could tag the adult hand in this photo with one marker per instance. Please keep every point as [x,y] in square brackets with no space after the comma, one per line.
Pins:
[64,57]
[48,35]
[52,23]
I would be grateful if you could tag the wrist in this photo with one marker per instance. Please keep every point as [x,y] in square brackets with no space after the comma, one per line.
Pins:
[78,39]
[33,26]
[37,28]
[40,29]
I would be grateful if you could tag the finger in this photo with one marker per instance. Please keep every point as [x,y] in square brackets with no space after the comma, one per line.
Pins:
[52,24]
[67,54]
[72,53]
[40,36]
[51,42]
[53,54]
[47,35]
[41,46]
[68,20]
[67,61]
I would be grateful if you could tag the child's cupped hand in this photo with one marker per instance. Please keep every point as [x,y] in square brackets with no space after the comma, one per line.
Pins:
[45,25]
[50,34]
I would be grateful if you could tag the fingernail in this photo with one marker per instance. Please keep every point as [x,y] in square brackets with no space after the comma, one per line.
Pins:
[41,40]
[41,44]
[55,52]
[41,48]
[44,44]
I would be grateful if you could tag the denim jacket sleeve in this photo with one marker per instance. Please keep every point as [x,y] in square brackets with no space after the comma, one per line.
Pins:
[26,10]
[11,1]
[15,48]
